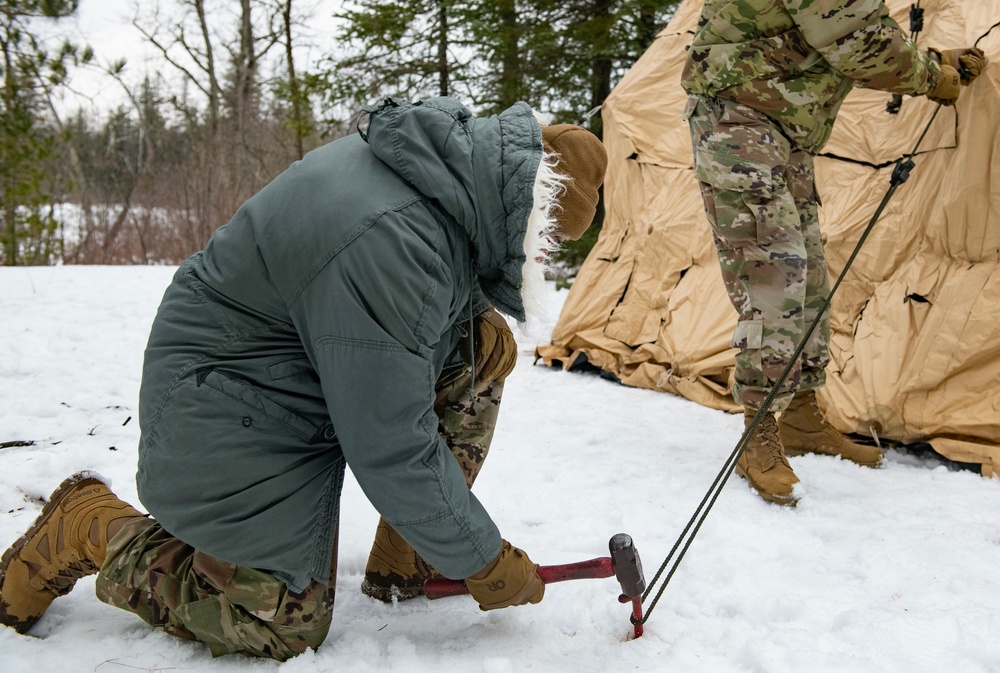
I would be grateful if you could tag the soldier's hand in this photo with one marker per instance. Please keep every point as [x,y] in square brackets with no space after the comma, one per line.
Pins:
[969,63]
[948,86]
[496,350]
[511,579]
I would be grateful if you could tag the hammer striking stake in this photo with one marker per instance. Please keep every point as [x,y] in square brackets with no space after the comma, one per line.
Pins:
[623,564]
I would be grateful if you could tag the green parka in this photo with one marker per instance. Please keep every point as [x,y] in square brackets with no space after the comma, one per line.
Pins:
[311,331]
[796,60]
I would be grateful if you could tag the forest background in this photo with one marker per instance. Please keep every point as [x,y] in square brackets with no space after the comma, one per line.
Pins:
[228,101]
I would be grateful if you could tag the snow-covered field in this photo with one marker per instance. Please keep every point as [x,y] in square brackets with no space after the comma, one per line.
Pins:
[875,571]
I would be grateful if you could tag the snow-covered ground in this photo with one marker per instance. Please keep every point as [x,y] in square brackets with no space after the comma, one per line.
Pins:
[875,571]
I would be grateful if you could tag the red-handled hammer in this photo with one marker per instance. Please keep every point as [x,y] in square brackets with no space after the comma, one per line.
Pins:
[623,564]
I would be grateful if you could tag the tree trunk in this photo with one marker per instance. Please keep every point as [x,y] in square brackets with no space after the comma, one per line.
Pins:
[444,86]
[601,64]
[511,85]
[647,28]
[9,209]
[293,83]
[205,211]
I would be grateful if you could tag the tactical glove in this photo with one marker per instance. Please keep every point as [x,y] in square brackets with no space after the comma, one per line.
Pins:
[496,350]
[948,86]
[969,63]
[511,579]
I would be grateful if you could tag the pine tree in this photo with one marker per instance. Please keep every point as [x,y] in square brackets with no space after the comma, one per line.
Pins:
[563,57]
[29,72]
[408,49]
[596,42]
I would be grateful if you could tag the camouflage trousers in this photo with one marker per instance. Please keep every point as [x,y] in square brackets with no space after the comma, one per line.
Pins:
[235,609]
[466,422]
[191,595]
[760,198]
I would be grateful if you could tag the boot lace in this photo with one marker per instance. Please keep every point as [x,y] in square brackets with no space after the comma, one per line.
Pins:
[770,441]
[61,583]
[812,406]
[424,569]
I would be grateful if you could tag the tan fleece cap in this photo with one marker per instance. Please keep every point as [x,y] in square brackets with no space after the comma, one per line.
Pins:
[581,157]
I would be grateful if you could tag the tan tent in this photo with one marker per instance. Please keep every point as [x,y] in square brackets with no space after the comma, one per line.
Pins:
[916,323]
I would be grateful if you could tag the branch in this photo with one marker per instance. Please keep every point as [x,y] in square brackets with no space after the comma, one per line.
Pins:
[165,51]
[16,443]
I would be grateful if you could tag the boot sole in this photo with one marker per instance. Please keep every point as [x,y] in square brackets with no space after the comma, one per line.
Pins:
[783,500]
[387,594]
[802,452]
[19,625]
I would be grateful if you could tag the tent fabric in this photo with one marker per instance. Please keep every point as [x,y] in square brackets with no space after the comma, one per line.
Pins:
[915,325]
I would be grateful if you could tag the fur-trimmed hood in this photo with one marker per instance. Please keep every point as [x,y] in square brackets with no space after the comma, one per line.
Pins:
[488,174]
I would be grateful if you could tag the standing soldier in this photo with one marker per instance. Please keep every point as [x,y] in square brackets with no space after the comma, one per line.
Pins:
[766,79]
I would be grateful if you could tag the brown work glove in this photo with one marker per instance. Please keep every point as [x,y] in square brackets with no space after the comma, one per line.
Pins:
[496,350]
[948,86]
[969,63]
[511,579]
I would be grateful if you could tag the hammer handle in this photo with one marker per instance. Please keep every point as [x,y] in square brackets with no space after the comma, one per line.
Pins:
[596,568]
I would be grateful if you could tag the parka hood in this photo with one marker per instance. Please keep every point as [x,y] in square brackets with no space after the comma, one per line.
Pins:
[481,171]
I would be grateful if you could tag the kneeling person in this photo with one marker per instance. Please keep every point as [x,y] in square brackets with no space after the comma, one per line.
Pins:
[342,318]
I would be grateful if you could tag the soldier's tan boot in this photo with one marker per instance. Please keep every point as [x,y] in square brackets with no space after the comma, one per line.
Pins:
[763,463]
[67,541]
[394,570]
[803,429]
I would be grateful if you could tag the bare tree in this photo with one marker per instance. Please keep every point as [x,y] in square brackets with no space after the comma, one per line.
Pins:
[218,56]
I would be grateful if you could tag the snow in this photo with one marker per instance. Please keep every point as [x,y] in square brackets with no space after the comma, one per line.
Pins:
[875,570]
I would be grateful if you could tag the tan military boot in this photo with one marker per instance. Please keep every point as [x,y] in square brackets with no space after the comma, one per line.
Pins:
[764,465]
[394,570]
[68,540]
[803,429]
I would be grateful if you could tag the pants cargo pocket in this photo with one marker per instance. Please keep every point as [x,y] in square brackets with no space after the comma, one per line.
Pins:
[737,195]
[739,162]
[213,621]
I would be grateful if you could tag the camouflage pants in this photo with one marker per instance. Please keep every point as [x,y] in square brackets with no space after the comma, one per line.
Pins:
[194,596]
[232,608]
[760,197]
[467,423]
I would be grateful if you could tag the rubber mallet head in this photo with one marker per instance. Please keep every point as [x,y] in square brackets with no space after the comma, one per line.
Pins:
[627,566]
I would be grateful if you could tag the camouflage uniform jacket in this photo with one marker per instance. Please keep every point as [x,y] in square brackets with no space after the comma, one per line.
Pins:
[312,331]
[796,60]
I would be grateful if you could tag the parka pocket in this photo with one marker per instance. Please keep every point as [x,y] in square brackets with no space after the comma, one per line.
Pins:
[258,412]
[299,367]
